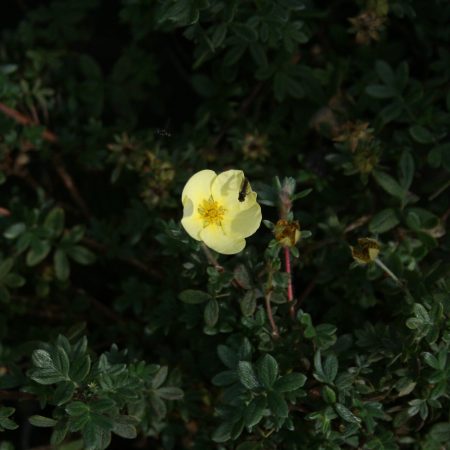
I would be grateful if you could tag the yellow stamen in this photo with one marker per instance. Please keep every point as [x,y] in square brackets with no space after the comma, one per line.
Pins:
[211,212]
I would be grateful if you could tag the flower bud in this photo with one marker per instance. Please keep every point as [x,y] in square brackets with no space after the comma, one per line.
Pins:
[287,233]
[366,251]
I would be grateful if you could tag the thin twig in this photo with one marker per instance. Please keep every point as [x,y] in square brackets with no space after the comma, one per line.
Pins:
[59,166]
[16,395]
[357,223]
[100,248]
[211,259]
[71,187]
[439,191]
[388,271]
[445,215]
[290,289]
[275,332]
[25,120]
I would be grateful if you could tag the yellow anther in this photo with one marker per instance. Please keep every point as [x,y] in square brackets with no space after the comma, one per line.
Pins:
[211,212]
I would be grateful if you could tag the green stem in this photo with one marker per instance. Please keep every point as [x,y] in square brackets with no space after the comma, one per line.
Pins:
[387,271]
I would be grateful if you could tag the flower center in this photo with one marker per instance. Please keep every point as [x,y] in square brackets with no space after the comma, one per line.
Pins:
[211,212]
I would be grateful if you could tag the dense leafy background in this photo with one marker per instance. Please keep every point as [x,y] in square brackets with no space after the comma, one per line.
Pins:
[114,324]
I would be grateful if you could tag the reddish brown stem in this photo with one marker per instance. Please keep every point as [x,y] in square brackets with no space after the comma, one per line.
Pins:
[213,261]
[71,187]
[24,120]
[60,168]
[275,332]
[16,395]
[290,289]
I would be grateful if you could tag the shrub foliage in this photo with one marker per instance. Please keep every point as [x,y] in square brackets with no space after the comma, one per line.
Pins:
[116,325]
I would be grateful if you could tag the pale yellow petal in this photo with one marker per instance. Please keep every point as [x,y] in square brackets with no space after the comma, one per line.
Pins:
[227,183]
[214,237]
[191,220]
[243,223]
[198,187]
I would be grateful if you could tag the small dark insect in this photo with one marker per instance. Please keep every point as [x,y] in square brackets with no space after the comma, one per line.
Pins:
[243,190]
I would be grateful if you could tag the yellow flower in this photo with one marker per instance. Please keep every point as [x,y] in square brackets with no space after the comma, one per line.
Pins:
[220,210]
[287,233]
[366,251]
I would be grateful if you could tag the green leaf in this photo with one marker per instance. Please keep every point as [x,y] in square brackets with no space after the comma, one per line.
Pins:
[346,414]
[160,377]
[277,404]
[389,184]
[431,360]
[51,367]
[242,276]
[219,34]
[380,91]
[158,405]
[194,297]
[244,32]
[440,432]
[258,54]
[406,170]
[77,408]
[211,313]
[14,231]
[227,356]
[384,221]
[63,393]
[59,433]
[223,432]
[302,194]
[330,368]
[290,382]
[94,436]
[421,134]
[248,303]
[293,87]
[267,371]
[54,222]
[318,369]
[5,267]
[41,421]
[385,73]
[37,252]
[102,405]
[391,112]
[81,255]
[62,266]
[124,426]
[254,411]
[170,393]
[7,424]
[12,280]
[247,375]
[328,395]
[225,378]
[6,411]
[80,368]
[234,54]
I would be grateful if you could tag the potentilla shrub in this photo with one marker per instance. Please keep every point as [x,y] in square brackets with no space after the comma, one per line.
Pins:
[224,225]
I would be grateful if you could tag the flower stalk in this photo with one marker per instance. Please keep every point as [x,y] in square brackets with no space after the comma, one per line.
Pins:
[387,271]
[267,299]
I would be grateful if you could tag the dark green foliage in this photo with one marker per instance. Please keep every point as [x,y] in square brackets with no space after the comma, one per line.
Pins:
[116,326]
